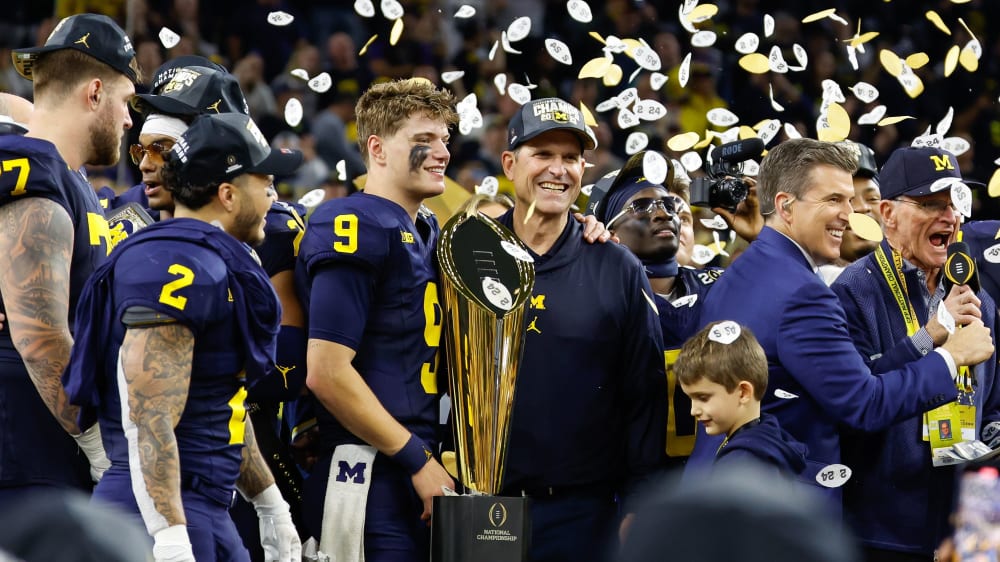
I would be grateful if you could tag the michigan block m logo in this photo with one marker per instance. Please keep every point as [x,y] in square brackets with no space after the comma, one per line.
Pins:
[941,162]
[355,472]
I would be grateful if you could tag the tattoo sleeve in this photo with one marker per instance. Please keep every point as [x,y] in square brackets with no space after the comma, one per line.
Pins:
[36,249]
[157,370]
[255,475]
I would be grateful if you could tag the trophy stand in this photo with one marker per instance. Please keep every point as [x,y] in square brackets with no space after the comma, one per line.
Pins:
[487,275]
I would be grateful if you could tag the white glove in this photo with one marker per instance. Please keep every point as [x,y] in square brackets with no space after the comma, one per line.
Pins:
[277,532]
[172,545]
[90,442]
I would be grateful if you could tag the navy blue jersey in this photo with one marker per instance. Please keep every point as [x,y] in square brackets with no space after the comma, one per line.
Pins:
[679,321]
[367,278]
[590,406]
[283,232]
[33,447]
[983,238]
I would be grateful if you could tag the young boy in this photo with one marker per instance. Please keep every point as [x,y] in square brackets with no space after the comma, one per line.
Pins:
[723,370]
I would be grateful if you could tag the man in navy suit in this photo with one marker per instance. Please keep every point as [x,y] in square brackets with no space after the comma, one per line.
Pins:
[818,380]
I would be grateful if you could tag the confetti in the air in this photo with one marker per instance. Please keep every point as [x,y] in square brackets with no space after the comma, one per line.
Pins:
[451,76]
[168,38]
[293,112]
[559,51]
[684,72]
[397,31]
[579,11]
[691,161]
[320,83]
[519,29]
[636,142]
[747,43]
[280,19]
[391,9]
[312,198]
[465,11]
[865,227]
[300,73]
[364,8]
[872,117]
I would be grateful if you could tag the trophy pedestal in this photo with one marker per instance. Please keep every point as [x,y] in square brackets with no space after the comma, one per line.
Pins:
[480,528]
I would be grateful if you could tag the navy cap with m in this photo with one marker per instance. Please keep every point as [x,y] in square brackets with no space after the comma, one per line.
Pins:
[918,171]
[217,148]
[194,90]
[96,35]
[548,114]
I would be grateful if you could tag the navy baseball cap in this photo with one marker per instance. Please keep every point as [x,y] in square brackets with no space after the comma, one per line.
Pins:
[548,114]
[167,69]
[194,90]
[629,174]
[867,168]
[96,35]
[918,171]
[218,148]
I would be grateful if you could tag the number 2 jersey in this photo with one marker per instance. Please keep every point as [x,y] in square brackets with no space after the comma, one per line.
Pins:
[367,277]
[199,276]
[33,446]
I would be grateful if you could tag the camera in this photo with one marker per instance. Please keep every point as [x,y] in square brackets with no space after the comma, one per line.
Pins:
[723,185]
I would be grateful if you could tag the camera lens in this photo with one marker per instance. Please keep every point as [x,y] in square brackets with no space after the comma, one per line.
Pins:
[728,193]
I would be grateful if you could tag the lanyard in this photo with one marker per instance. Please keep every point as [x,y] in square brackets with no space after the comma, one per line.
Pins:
[897,284]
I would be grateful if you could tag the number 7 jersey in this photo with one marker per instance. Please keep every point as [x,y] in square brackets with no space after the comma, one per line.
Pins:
[367,276]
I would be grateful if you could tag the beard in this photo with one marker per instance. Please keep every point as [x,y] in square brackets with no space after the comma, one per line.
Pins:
[106,140]
[247,225]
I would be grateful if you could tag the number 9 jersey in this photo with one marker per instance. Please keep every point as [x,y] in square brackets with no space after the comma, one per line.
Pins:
[367,277]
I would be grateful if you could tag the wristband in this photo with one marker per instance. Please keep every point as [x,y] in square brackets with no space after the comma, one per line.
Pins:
[414,455]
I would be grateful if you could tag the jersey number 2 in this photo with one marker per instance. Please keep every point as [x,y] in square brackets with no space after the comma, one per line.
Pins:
[167,295]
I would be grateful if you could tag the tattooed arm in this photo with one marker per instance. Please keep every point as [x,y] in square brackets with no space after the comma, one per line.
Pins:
[157,368]
[255,476]
[36,248]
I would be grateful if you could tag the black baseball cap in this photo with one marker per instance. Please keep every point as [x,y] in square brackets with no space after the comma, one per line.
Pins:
[867,168]
[218,148]
[166,70]
[96,35]
[194,90]
[631,173]
[916,171]
[548,114]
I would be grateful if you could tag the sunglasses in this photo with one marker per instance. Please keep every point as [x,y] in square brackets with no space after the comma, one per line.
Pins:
[154,150]
[646,206]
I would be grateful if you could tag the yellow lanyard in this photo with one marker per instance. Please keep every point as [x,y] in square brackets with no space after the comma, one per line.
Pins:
[897,284]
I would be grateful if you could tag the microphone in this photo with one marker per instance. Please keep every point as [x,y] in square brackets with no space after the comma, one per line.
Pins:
[960,268]
[739,151]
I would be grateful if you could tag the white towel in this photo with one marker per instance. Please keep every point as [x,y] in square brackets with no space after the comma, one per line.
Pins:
[343,534]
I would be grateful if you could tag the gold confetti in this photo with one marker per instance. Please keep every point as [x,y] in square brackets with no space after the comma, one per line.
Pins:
[531,211]
[448,457]
[937,21]
[891,62]
[893,120]
[917,60]
[588,117]
[819,15]
[838,124]
[967,30]
[595,68]
[682,142]
[951,60]
[613,76]
[709,135]
[968,59]
[368,44]
[863,38]
[702,12]
[597,36]
[865,227]
[913,86]
[397,30]
[747,132]
[755,63]
[994,189]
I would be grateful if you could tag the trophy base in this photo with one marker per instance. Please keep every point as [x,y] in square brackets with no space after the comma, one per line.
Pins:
[480,528]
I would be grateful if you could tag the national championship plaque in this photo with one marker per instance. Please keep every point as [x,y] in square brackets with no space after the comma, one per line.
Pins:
[486,275]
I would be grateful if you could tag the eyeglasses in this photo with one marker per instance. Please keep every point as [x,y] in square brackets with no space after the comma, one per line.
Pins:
[931,207]
[646,206]
[154,150]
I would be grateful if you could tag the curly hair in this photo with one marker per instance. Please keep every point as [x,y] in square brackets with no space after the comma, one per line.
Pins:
[382,109]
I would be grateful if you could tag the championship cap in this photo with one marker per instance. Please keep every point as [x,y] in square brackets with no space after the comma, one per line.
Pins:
[96,35]
[167,69]
[867,168]
[218,148]
[194,90]
[548,114]
[606,197]
[917,171]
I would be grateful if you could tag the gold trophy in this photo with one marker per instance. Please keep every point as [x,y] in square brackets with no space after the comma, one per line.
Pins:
[487,276]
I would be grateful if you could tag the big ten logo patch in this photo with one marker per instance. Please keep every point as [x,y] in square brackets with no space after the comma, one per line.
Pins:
[353,472]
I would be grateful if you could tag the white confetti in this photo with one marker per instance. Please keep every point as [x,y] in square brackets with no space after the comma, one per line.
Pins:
[364,8]
[655,167]
[505,43]
[636,142]
[500,81]
[956,145]
[701,254]
[945,318]
[341,170]
[320,83]
[722,117]
[800,55]
[516,251]
[558,51]
[769,130]
[607,105]
[497,293]
[747,43]
[627,97]
[943,183]
[791,132]
[777,106]
[465,11]
[587,189]
[451,76]
[684,72]
[168,38]
[686,300]
[784,394]
[489,187]
[613,44]
[768,25]
[834,475]
[579,11]
[776,61]
[684,21]
[691,161]
[312,198]
[715,223]
[961,196]
[626,119]
[646,58]
[751,168]
[873,116]
[519,29]
[650,110]
[729,135]
[300,73]
[391,10]
[280,19]
[703,38]
[519,93]
[865,92]
[493,50]
[992,254]
[945,123]
[832,91]
[293,112]
[932,140]
[725,332]
[657,80]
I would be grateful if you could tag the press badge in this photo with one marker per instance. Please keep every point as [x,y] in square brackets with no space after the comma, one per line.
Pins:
[947,426]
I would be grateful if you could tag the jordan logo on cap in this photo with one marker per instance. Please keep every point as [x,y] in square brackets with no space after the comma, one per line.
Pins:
[83,40]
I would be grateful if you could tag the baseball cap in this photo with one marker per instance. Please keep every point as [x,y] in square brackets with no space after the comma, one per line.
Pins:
[548,114]
[221,147]
[194,90]
[166,70]
[94,34]
[917,171]
[867,168]
[613,182]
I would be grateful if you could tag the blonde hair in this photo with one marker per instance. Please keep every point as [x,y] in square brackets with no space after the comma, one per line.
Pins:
[384,107]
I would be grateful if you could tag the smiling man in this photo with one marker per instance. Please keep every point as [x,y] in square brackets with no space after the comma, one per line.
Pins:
[891,297]
[590,408]
[818,381]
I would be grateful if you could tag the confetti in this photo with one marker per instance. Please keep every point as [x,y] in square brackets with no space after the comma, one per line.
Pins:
[945,123]
[579,11]
[755,63]
[607,105]
[519,93]
[613,76]
[595,68]
[320,83]
[951,60]
[489,187]
[703,38]
[715,223]
[721,117]
[833,476]
[657,80]
[293,112]
[800,56]
[946,320]
[911,83]
[451,76]
[819,15]
[865,227]
[770,91]
[701,254]
[961,197]
[969,56]
[465,11]
[837,125]
[691,161]
[364,8]
[994,185]
[683,141]
[682,18]
[558,51]
[341,170]
[646,58]
[505,43]
[725,332]
[891,62]
[917,60]
[588,117]
[684,72]
[168,38]
[493,50]
[519,29]
[500,81]
[784,394]
[650,110]
[791,132]
[937,21]
[531,211]
[280,19]
[832,91]
[893,120]
[636,142]
[397,31]
[627,97]
[615,45]
[655,167]
[865,92]
[312,198]
[956,145]
[768,25]
[702,12]
[391,9]
[367,44]
[300,73]
[626,119]
[750,168]
[769,130]
[747,43]
[872,117]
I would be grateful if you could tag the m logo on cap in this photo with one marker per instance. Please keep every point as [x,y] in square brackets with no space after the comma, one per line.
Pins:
[942,162]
